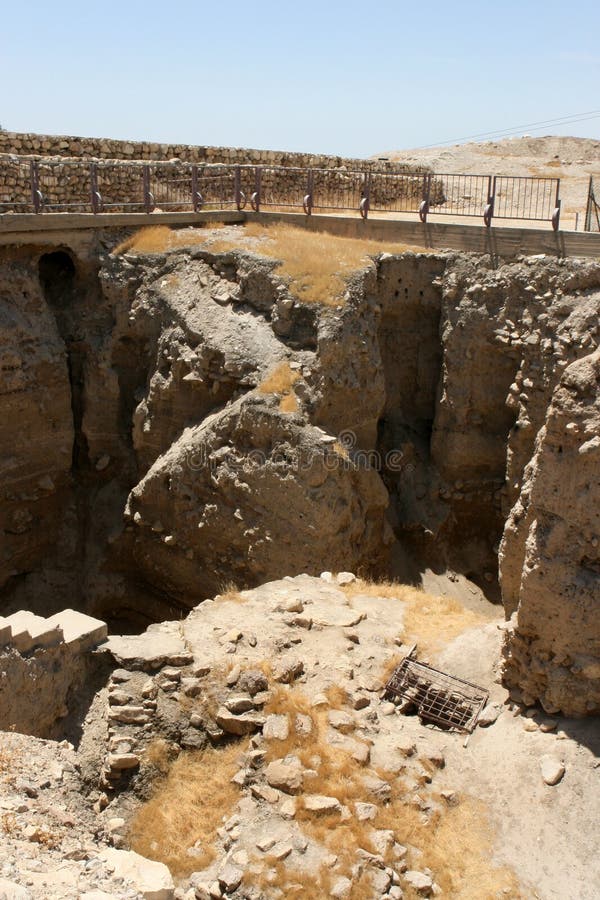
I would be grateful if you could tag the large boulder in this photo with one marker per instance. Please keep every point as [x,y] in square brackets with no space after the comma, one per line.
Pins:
[152,880]
[249,494]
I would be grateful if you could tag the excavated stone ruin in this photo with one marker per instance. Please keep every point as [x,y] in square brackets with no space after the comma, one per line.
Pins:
[445,414]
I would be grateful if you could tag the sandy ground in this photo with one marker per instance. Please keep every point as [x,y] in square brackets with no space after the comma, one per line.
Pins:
[571,159]
[548,835]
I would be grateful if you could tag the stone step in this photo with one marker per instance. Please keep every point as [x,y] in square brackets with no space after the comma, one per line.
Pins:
[29,631]
[5,633]
[80,631]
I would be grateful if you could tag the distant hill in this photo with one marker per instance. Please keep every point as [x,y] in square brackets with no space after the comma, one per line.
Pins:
[571,159]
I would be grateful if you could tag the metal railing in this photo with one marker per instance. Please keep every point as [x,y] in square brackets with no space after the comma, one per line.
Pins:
[120,187]
[537,198]
[592,212]
[16,192]
[117,186]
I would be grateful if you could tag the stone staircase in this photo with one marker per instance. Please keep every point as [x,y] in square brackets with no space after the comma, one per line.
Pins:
[26,632]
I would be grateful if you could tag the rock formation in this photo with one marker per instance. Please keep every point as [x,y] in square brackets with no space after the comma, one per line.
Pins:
[552,646]
[184,420]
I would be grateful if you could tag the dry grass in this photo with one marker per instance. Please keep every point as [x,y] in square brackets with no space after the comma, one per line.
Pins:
[429,621]
[153,239]
[187,809]
[196,795]
[230,593]
[288,403]
[161,238]
[340,450]
[160,755]
[276,876]
[8,768]
[9,824]
[7,758]
[281,381]
[317,264]
[456,844]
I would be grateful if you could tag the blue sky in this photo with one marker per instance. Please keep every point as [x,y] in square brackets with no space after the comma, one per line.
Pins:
[349,78]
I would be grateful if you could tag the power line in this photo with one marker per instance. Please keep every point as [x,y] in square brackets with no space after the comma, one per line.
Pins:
[532,126]
[565,120]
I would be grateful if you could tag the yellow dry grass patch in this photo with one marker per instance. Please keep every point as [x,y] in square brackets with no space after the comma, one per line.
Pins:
[7,758]
[288,403]
[230,593]
[187,808]
[457,843]
[153,239]
[281,381]
[161,238]
[276,876]
[317,263]
[160,755]
[430,621]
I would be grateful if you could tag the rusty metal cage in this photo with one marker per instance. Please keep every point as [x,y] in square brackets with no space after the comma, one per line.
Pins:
[438,697]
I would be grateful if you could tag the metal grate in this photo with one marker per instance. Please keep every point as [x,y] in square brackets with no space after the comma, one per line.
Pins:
[438,697]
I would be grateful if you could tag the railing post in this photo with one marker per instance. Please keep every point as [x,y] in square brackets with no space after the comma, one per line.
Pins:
[255,198]
[37,198]
[148,195]
[197,198]
[424,207]
[556,213]
[365,201]
[587,225]
[240,197]
[489,209]
[95,196]
[307,202]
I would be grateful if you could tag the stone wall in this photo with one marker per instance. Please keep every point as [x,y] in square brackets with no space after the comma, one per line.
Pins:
[47,670]
[105,148]
[66,184]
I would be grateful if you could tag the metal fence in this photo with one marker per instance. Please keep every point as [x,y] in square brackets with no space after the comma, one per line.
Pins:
[537,198]
[592,212]
[113,186]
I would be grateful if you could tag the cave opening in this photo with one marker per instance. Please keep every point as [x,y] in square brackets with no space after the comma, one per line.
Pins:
[57,276]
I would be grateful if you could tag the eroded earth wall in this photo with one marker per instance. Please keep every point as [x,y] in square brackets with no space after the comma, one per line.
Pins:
[552,646]
[177,422]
